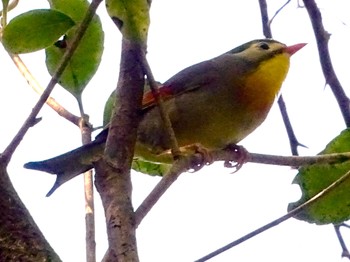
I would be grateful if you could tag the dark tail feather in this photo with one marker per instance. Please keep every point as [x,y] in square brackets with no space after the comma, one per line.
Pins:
[70,164]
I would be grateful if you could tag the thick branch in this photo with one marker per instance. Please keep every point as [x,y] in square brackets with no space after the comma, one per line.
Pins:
[113,173]
[20,238]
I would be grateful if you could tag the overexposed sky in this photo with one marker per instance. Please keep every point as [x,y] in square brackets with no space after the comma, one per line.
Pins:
[205,210]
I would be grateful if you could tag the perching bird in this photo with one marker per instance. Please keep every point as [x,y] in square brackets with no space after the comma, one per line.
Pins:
[214,103]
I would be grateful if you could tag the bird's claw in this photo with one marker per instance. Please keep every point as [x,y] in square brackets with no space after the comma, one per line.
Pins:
[241,156]
[198,162]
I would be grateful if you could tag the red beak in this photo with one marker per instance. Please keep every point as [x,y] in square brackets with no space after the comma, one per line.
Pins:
[294,48]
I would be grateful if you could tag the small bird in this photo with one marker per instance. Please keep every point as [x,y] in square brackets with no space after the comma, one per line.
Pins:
[215,103]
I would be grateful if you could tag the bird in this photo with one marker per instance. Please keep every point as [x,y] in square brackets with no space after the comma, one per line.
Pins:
[214,104]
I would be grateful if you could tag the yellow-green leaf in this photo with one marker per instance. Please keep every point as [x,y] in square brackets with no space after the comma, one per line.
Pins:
[86,59]
[35,30]
[150,168]
[333,207]
[131,17]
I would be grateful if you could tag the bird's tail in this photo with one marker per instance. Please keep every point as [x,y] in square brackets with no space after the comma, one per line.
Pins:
[70,164]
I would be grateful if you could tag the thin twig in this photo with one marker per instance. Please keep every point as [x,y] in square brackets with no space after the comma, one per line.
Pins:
[265,19]
[266,24]
[345,251]
[39,89]
[277,12]
[179,166]
[10,6]
[163,114]
[297,161]
[293,141]
[90,242]
[322,38]
[6,156]
[171,176]
[345,225]
[274,223]
[186,162]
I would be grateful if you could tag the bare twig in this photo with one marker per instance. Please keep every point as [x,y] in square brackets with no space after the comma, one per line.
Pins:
[322,38]
[277,12]
[165,118]
[86,130]
[345,251]
[10,6]
[180,165]
[274,223]
[184,163]
[266,23]
[39,89]
[265,19]
[6,156]
[293,141]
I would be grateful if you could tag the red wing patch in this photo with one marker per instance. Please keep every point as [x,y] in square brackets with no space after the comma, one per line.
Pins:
[164,92]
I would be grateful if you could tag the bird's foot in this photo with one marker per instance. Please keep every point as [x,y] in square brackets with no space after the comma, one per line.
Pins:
[241,156]
[205,159]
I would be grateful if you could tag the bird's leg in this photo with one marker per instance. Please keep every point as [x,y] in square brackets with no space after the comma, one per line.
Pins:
[206,158]
[241,156]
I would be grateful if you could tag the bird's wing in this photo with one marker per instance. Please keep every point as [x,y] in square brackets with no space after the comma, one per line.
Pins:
[187,80]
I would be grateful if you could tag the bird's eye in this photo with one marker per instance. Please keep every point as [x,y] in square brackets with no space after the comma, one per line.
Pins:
[264,46]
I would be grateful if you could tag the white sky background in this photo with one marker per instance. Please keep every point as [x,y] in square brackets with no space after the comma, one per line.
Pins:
[205,210]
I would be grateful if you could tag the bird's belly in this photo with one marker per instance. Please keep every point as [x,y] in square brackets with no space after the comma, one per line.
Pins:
[218,126]
[198,121]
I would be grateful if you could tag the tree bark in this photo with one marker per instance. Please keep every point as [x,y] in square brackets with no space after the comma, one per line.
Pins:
[113,172]
[20,237]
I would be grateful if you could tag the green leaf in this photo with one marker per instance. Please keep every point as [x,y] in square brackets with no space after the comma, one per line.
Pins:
[107,112]
[150,168]
[86,59]
[109,105]
[35,30]
[333,207]
[131,17]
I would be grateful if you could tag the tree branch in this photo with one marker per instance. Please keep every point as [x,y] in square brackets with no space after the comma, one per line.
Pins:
[183,164]
[51,102]
[276,222]
[322,38]
[7,154]
[165,117]
[20,237]
[345,251]
[266,23]
[113,172]
[90,244]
